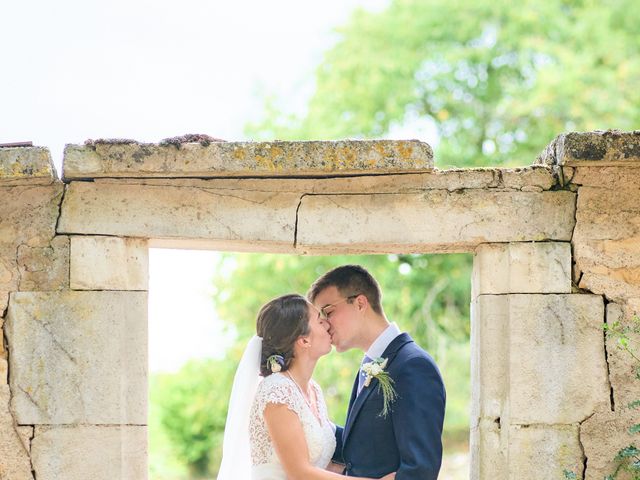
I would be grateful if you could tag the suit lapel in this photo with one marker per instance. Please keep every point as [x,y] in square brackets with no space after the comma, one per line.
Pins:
[357,401]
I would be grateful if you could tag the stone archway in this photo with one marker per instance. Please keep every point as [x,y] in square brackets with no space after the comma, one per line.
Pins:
[73,281]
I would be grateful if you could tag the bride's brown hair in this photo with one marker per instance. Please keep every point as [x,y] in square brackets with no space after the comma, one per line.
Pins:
[280,323]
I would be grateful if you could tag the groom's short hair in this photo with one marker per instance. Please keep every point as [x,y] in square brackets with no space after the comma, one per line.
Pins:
[349,280]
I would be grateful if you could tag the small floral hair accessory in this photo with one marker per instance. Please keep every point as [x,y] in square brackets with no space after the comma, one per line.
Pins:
[275,363]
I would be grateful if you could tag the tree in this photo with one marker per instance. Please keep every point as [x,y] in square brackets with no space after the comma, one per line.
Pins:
[498,79]
[192,406]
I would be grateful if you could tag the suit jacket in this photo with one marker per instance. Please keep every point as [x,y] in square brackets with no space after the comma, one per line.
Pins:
[408,440]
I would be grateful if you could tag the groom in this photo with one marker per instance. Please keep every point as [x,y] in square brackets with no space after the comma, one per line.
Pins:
[408,439]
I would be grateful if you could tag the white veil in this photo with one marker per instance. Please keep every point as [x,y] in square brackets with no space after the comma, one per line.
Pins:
[236,456]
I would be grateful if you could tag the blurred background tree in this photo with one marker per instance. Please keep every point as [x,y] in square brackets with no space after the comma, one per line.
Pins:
[494,81]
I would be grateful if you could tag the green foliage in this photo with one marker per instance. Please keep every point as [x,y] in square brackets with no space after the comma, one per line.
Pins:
[497,79]
[192,409]
[163,461]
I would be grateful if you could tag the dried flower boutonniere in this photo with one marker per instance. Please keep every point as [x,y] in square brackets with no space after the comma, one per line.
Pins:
[375,369]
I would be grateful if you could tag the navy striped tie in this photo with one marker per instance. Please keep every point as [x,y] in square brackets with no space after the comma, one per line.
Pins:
[362,376]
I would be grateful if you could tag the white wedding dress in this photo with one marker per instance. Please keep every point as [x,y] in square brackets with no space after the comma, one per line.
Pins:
[279,388]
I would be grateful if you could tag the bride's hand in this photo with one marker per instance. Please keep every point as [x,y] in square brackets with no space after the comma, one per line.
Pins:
[390,476]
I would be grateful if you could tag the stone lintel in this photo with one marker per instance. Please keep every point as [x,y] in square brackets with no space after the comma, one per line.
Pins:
[26,165]
[225,217]
[242,159]
[609,147]
[532,179]
[432,221]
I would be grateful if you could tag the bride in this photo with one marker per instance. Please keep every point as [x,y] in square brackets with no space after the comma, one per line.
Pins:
[277,425]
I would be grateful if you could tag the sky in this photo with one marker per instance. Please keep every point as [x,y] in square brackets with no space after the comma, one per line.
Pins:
[152,69]
[73,70]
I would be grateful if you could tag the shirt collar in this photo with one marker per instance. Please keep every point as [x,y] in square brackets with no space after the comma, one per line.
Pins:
[381,343]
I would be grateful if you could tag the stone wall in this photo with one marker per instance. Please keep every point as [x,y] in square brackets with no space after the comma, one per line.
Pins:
[557,253]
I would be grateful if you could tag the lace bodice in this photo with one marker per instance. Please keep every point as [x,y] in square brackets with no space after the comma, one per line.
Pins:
[279,388]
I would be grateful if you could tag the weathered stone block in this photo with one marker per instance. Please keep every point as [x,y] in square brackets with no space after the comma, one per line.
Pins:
[14,443]
[603,436]
[3,353]
[8,268]
[607,241]
[44,268]
[90,452]
[557,367]
[529,178]
[28,216]
[435,221]
[78,357]
[536,267]
[245,158]
[489,451]
[535,178]
[109,263]
[26,165]
[543,453]
[586,148]
[4,368]
[612,178]
[489,357]
[4,301]
[225,218]
[622,366]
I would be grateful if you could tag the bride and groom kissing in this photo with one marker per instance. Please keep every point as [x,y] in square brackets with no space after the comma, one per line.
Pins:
[277,425]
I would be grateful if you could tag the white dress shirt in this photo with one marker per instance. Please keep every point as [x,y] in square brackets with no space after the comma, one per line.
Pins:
[381,343]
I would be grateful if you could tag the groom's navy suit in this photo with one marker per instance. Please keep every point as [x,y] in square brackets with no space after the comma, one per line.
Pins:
[408,439]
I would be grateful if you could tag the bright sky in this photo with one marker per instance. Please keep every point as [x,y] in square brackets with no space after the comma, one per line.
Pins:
[151,69]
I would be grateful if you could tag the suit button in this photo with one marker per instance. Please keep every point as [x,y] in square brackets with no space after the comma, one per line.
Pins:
[349,465]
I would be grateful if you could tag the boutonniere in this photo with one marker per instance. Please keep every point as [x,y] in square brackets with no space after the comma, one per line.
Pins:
[375,369]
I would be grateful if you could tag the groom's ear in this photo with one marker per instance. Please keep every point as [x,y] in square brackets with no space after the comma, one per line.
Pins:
[362,301]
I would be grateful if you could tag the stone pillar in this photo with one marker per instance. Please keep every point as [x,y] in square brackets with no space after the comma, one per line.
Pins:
[603,167]
[79,374]
[32,257]
[538,361]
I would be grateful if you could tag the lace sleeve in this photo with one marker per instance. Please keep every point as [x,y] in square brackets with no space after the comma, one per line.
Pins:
[276,388]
